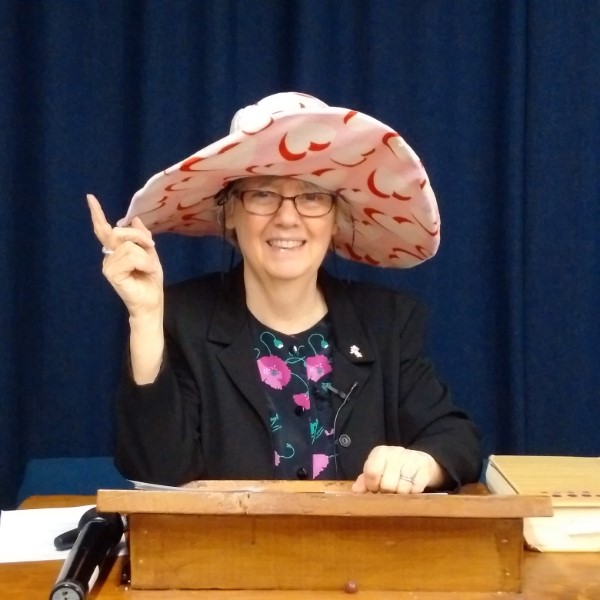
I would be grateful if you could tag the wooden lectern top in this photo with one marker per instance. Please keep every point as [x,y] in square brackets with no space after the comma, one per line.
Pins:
[330,498]
[259,535]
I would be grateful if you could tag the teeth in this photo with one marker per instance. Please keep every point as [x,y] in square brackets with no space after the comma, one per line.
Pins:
[286,243]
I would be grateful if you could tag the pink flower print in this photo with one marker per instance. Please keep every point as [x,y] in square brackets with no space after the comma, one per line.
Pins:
[320,461]
[302,400]
[277,458]
[317,366]
[273,371]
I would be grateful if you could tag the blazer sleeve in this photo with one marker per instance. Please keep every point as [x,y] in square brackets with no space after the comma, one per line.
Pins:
[427,417]
[158,424]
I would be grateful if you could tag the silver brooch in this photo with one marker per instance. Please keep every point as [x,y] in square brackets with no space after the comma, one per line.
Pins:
[356,351]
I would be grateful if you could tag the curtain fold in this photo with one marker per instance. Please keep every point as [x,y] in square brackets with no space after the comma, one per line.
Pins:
[500,100]
[562,218]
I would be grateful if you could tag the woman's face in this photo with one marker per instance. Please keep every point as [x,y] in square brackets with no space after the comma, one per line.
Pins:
[285,245]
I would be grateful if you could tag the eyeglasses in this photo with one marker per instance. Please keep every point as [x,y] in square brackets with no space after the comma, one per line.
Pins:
[265,203]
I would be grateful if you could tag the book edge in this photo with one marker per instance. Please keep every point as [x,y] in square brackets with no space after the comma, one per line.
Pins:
[495,462]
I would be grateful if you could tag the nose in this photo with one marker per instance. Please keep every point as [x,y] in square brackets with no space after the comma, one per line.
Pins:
[287,212]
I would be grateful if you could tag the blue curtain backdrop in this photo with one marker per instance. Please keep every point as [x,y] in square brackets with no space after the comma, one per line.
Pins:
[500,98]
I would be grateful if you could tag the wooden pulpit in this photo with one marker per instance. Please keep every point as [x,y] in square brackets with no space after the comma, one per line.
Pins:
[287,535]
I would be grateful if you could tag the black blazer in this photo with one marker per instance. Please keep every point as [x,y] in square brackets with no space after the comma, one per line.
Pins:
[205,416]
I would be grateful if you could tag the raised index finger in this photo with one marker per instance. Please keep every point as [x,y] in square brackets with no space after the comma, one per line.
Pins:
[102,227]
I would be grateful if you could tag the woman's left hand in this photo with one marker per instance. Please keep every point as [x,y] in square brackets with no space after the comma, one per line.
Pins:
[395,469]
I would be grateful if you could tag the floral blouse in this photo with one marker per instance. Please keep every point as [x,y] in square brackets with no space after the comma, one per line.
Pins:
[295,371]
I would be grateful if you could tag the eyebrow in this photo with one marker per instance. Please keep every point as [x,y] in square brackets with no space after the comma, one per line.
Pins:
[307,185]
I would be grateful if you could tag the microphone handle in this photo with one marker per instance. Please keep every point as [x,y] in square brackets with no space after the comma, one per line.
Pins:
[65,540]
[82,566]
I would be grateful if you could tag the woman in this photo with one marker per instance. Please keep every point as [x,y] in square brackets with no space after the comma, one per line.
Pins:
[278,370]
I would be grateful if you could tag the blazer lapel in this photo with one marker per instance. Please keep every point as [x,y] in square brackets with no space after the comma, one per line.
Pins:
[352,353]
[229,329]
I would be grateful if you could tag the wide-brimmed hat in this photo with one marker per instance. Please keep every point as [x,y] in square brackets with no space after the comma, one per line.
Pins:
[389,218]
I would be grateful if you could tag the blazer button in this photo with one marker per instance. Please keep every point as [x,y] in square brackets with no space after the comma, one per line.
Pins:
[344,440]
[301,473]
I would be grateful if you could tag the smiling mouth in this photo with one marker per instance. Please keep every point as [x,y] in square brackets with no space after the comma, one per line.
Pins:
[286,244]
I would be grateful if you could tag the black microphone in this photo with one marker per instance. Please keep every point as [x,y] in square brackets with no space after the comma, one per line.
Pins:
[65,540]
[343,395]
[97,538]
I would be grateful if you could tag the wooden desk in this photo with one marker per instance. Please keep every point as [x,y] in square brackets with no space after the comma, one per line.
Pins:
[545,577]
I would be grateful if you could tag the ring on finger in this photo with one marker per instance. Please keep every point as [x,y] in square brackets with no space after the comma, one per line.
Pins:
[405,478]
[107,251]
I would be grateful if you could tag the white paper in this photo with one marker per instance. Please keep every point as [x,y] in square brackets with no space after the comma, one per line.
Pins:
[142,485]
[589,526]
[28,534]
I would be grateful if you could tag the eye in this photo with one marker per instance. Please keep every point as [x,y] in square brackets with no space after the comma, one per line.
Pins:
[316,197]
[259,195]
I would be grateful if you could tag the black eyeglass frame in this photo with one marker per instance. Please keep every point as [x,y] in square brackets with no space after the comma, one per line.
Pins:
[240,194]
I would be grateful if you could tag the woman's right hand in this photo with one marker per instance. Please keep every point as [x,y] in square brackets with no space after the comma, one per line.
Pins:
[132,265]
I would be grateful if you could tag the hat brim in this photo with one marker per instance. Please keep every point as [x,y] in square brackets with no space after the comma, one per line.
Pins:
[390,218]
